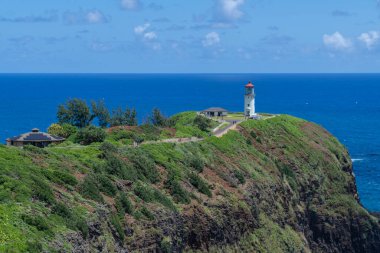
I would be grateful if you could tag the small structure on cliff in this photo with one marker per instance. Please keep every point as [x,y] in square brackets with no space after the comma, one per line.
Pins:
[215,112]
[35,138]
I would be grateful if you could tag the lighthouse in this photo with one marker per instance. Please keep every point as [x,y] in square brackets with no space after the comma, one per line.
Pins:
[249,100]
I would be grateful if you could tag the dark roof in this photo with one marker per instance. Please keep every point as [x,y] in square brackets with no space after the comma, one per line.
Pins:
[215,109]
[36,136]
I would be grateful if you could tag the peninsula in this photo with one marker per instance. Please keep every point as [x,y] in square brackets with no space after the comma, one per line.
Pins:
[276,185]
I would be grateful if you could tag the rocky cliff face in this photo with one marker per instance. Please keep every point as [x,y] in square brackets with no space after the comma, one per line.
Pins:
[280,185]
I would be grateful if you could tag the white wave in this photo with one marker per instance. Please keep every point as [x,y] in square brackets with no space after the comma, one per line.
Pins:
[356,160]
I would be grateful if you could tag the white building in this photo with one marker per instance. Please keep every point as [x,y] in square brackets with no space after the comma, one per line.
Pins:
[249,100]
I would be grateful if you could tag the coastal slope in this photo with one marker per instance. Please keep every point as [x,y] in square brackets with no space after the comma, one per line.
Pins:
[276,185]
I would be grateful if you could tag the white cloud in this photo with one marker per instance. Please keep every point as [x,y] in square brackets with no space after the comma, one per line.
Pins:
[337,41]
[147,37]
[141,28]
[211,39]
[130,4]
[150,36]
[370,39]
[95,17]
[230,9]
[82,17]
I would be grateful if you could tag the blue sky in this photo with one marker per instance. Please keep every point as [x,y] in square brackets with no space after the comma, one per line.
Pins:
[178,36]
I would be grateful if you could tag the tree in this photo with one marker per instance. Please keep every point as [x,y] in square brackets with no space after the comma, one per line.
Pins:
[158,119]
[124,118]
[56,130]
[90,135]
[202,123]
[68,130]
[117,118]
[131,117]
[65,130]
[100,111]
[75,112]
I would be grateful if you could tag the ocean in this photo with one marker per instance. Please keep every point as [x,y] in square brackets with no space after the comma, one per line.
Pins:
[348,105]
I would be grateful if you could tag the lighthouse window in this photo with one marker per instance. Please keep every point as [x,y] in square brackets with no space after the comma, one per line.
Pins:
[249,105]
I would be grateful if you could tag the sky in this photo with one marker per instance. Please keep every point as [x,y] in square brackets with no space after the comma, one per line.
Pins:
[198,36]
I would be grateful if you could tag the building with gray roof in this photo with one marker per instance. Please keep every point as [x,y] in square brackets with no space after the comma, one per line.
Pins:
[35,138]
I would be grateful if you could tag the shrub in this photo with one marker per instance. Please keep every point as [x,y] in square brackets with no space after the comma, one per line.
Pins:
[166,245]
[106,185]
[202,123]
[198,183]
[36,221]
[89,189]
[68,130]
[153,195]
[179,194]
[71,219]
[108,147]
[144,192]
[253,134]
[197,163]
[34,247]
[42,191]
[35,150]
[148,214]
[124,205]
[240,176]
[115,221]
[144,165]
[65,178]
[81,225]
[150,132]
[56,130]
[90,135]
[62,210]
[163,199]
[116,166]
[64,130]
[256,137]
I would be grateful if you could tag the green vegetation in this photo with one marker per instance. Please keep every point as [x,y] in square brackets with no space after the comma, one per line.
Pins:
[75,112]
[235,116]
[100,111]
[189,124]
[65,130]
[200,184]
[203,123]
[90,135]
[123,204]
[123,118]
[167,196]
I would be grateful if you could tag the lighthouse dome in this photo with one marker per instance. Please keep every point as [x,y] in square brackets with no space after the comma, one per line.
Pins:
[249,85]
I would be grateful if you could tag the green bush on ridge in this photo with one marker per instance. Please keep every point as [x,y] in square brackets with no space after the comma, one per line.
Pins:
[200,184]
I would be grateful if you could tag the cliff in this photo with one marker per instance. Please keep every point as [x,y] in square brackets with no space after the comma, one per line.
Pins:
[277,185]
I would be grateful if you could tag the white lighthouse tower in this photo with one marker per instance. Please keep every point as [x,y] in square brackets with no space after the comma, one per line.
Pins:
[249,100]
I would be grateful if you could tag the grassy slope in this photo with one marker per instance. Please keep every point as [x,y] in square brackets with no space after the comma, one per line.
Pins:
[48,196]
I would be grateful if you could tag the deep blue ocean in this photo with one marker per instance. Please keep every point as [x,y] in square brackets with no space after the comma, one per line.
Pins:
[348,105]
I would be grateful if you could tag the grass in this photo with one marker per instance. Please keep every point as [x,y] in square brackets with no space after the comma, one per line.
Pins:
[235,116]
